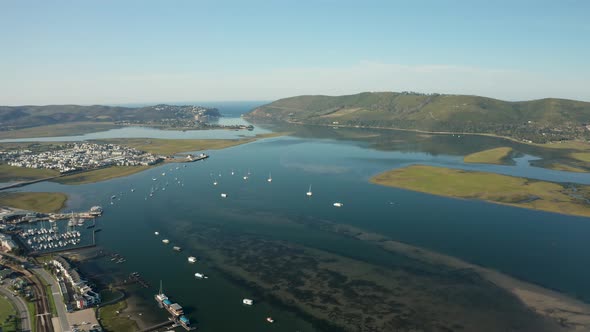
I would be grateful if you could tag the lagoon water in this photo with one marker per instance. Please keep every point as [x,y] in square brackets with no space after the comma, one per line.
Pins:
[548,249]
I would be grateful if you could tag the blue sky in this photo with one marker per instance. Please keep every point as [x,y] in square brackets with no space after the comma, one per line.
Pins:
[91,52]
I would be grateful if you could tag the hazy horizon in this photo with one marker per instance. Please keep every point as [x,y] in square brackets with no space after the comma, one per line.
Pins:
[112,52]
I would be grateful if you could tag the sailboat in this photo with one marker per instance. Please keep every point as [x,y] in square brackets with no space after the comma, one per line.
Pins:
[246,176]
[160,297]
[309,193]
[269,177]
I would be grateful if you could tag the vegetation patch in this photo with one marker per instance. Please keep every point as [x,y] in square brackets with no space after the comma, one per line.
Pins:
[112,319]
[34,201]
[502,189]
[566,168]
[12,173]
[62,129]
[173,146]
[102,174]
[582,156]
[497,156]
[8,320]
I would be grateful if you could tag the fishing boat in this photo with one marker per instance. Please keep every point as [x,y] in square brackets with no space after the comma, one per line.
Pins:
[247,302]
[200,276]
[223,195]
[157,233]
[165,241]
[309,193]
[270,320]
[192,259]
[175,248]
[338,204]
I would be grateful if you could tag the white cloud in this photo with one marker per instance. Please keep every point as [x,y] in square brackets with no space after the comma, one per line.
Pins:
[85,88]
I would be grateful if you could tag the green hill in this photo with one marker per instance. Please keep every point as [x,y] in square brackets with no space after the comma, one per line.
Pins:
[536,120]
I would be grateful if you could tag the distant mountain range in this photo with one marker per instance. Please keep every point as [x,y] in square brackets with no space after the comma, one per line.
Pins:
[17,117]
[540,120]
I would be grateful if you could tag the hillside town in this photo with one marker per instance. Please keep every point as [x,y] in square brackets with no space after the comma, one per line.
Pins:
[80,156]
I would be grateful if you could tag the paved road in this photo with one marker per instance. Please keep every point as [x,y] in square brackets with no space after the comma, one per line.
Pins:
[57,297]
[21,306]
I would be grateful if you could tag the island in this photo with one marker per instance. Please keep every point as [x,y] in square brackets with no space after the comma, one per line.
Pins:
[498,156]
[490,187]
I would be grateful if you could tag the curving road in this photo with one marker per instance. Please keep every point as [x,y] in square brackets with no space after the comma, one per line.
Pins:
[21,306]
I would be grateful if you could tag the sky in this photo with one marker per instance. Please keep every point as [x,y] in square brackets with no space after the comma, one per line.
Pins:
[118,52]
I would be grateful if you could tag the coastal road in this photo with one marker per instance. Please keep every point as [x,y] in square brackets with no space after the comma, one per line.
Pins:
[21,307]
[57,297]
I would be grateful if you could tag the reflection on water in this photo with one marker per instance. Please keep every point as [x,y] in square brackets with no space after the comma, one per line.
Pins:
[541,247]
[262,219]
[145,132]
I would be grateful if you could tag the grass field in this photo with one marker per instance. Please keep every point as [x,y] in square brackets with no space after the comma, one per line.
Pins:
[33,312]
[502,189]
[62,129]
[100,174]
[111,321]
[51,300]
[6,310]
[174,146]
[582,156]
[40,202]
[497,156]
[570,145]
[566,168]
[11,173]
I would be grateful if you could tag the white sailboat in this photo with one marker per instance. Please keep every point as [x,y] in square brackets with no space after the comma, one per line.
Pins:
[309,193]
[269,177]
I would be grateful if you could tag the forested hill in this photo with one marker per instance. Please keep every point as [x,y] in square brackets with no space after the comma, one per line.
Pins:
[17,117]
[536,120]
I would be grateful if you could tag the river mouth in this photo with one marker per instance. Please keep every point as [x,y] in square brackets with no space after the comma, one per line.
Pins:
[271,242]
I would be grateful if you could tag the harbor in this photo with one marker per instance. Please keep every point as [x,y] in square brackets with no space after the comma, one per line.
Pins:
[174,309]
[60,232]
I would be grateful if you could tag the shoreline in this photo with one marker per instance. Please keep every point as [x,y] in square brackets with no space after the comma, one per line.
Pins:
[544,301]
[542,145]
[570,312]
[531,194]
[84,128]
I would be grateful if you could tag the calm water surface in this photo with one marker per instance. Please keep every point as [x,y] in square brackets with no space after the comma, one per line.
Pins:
[545,248]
